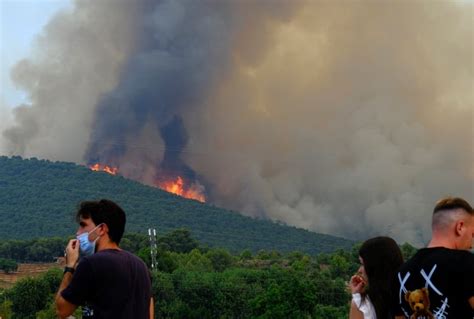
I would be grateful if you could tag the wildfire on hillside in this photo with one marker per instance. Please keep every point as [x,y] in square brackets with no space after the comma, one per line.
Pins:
[176,186]
[104,168]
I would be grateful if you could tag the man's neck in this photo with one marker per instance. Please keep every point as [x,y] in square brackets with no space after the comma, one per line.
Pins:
[106,243]
[439,241]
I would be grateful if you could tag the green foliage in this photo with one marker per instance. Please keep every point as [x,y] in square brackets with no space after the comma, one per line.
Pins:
[407,251]
[220,259]
[6,309]
[287,296]
[28,297]
[144,254]
[213,283]
[38,198]
[339,265]
[246,254]
[330,312]
[37,250]
[194,261]
[52,278]
[179,241]
[49,312]
[8,265]
[166,261]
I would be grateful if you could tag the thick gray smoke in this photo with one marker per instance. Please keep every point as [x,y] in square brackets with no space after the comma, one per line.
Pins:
[348,118]
[77,58]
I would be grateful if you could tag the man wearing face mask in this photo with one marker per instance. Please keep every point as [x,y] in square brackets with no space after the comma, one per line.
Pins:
[112,282]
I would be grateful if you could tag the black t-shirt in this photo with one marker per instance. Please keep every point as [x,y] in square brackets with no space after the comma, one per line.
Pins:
[438,282]
[115,283]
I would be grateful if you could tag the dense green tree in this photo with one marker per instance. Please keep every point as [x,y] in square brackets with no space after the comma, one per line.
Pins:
[41,249]
[330,312]
[6,309]
[246,254]
[28,297]
[133,242]
[407,251]
[195,261]
[49,312]
[52,278]
[164,295]
[179,241]
[144,254]
[302,264]
[220,259]
[8,265]
[339,265]
[167,261]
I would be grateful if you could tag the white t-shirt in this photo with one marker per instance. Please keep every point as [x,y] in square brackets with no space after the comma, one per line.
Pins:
[365,306]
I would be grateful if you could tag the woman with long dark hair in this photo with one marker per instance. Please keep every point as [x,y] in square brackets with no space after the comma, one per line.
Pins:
[371,287]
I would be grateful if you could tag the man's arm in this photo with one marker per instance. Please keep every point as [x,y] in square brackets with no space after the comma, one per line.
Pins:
[471,302]
[152,308]
[63,307]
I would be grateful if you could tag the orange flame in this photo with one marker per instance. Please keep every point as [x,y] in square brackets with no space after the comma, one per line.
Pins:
[177,187]
[104,168]
[195,191]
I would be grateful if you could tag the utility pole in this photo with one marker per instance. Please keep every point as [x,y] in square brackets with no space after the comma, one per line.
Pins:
[153,248]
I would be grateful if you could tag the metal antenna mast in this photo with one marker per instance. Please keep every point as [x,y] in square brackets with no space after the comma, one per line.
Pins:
[153,248]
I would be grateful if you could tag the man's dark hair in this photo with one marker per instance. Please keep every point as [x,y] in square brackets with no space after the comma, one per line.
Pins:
[452,203]
[107,212]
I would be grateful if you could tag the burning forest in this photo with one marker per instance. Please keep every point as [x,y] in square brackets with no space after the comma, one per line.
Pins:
[176,186]
[312,113]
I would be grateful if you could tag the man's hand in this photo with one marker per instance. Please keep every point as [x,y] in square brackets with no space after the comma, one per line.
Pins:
[72,253]
[63,307]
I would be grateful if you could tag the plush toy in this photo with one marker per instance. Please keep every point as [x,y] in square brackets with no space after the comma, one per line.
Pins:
[419,302]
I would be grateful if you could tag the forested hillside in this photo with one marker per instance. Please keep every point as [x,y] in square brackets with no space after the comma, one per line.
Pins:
[38,198]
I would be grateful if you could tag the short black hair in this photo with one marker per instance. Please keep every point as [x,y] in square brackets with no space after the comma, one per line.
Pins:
[107,212]
[452,203]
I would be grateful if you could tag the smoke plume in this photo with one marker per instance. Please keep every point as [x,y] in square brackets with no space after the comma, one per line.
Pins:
[348,118]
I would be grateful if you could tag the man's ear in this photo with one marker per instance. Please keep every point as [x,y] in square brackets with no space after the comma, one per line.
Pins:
[459,227]
[104,229]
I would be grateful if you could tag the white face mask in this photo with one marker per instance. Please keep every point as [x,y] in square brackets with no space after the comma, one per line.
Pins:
[87,247]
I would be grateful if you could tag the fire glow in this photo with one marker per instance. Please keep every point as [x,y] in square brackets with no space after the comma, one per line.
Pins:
[176,186]
[104,168]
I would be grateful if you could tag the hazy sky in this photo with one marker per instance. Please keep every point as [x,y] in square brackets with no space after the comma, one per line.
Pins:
[21,22]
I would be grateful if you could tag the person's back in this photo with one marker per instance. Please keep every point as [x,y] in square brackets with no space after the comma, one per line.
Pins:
[114,283]
[438,281]
[108,282]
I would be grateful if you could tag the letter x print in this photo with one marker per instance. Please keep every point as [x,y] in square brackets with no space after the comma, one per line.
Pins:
[402,285]
[428,282]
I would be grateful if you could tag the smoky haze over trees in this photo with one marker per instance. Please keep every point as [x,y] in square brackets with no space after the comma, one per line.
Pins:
[314,113]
